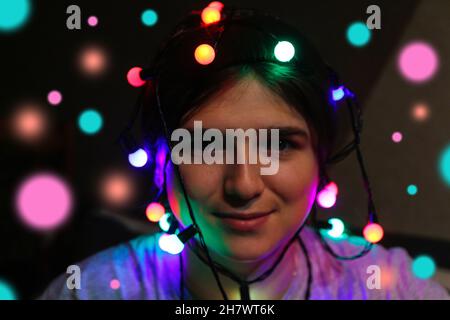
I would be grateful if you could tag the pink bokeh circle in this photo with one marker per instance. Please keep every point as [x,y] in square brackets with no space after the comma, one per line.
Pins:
[92,21]
[54,97]
[418,62]
[43,201]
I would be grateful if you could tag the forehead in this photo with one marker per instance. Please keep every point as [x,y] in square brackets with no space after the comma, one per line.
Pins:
[246,104]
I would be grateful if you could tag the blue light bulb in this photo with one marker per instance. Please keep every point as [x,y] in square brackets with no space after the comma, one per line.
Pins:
[338,94]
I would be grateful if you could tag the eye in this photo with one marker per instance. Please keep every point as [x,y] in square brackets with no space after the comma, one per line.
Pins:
[285,145]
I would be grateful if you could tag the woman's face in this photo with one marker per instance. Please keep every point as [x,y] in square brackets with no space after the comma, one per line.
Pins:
[285,197]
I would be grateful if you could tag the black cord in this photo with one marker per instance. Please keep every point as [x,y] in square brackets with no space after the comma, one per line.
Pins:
[191,214]
[368,246]
[309,266]
[241,282]
[261,277]
[181,278]
[357,126]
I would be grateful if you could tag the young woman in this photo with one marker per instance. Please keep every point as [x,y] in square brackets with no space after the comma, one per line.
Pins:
[251,241]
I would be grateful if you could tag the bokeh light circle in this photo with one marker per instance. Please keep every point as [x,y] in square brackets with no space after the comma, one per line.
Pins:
[44,201]
[149,17]
[7,292]
[418,62]
[114,284]
[358,34]
[412,190]
[423,267]
[93,60]
[90,121]
[420,112]
[13,14]
[444,165]
[29,123]
[92,21]
[54,97]
[397,137]
[117,188]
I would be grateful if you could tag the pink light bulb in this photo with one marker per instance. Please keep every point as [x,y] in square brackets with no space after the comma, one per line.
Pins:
[134,77]
[326,198]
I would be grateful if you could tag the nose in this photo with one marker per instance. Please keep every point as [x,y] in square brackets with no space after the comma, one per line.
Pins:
[243,184]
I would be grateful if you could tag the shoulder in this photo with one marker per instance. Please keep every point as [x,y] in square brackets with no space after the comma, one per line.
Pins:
[380,274]
[127,271]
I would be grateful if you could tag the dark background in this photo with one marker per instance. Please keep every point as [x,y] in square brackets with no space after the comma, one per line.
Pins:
[43,55]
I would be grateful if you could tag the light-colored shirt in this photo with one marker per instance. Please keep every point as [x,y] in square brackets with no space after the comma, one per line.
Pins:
[139,269]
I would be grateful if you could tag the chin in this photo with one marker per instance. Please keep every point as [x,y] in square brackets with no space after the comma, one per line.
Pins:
[242,249]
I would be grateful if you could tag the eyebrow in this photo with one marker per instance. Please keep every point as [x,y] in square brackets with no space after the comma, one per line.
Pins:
[291,131]
[284,131]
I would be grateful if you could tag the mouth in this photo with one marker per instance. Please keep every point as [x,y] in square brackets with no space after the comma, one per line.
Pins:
[243,222]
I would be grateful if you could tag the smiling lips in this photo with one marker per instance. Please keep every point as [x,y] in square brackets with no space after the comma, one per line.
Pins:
[243,221]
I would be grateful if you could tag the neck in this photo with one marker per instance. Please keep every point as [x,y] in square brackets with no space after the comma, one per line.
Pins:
[201,283]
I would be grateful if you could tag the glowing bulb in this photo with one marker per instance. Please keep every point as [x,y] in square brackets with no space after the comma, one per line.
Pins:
[332,187]
[204,54]
[170,243]
[423,267]
[338,93]
[337,228]
[326,198]
[138,159]
[210,15]
[154,211]
[134,77]
[373,232]
[217,5]
[284,51]
[164,223]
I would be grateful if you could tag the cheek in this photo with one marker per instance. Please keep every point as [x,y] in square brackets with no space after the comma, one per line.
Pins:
[297,181]
[201,183]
